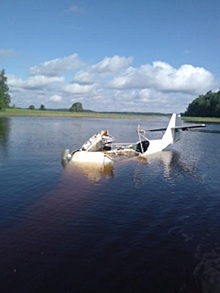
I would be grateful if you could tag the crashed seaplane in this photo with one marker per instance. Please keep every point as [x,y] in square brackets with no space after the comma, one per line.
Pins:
[101,148]
[92,151]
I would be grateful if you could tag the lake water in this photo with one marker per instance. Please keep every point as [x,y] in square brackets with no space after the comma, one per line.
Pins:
[143,226]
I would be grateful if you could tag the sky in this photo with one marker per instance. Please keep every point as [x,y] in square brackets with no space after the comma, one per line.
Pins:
[118,55]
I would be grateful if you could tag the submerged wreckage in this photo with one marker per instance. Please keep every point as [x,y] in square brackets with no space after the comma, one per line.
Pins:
[101,147]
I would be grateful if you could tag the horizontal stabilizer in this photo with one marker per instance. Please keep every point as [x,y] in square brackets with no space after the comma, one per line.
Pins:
[177,127]
[189,126]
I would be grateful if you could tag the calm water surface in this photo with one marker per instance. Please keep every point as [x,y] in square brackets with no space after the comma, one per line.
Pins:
[143,226]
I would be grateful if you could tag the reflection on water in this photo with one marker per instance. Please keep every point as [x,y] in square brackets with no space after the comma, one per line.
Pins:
[170,160]
[4,132]
[94,172]
[172,163]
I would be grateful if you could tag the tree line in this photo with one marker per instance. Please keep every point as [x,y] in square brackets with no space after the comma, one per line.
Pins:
[76,107]
[207,105]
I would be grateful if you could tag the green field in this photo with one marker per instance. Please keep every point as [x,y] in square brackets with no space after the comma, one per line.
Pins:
[14,112]
[201,119]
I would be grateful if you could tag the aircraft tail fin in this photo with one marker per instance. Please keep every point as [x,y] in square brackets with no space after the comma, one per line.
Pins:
[172,133]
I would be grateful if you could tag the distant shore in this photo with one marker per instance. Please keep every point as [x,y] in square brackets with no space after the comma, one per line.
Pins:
[200,119]
[14,112]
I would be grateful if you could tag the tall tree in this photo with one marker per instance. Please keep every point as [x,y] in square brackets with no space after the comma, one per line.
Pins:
[42,107]
[4,95]
[207,105]
[76,107]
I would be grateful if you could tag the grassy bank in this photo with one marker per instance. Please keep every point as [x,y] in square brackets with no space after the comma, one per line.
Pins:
[201,119]
[13,112]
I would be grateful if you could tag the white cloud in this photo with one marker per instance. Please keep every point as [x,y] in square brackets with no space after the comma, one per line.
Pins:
[163,77]
[76,88]
[55,99]
[33,82]
[57,66]
[85,76]
[14,81]
[111,65]
[111,85]
[106,67]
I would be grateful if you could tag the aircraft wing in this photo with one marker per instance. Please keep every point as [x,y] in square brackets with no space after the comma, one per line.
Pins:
[182,127]
[156,129]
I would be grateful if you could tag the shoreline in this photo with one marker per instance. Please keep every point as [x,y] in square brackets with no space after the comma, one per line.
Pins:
[65,114]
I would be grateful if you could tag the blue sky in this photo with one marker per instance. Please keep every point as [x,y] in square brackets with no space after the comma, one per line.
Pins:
[118,55]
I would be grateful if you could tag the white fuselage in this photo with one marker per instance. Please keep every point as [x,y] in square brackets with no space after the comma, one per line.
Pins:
[91,157]
[170,136]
